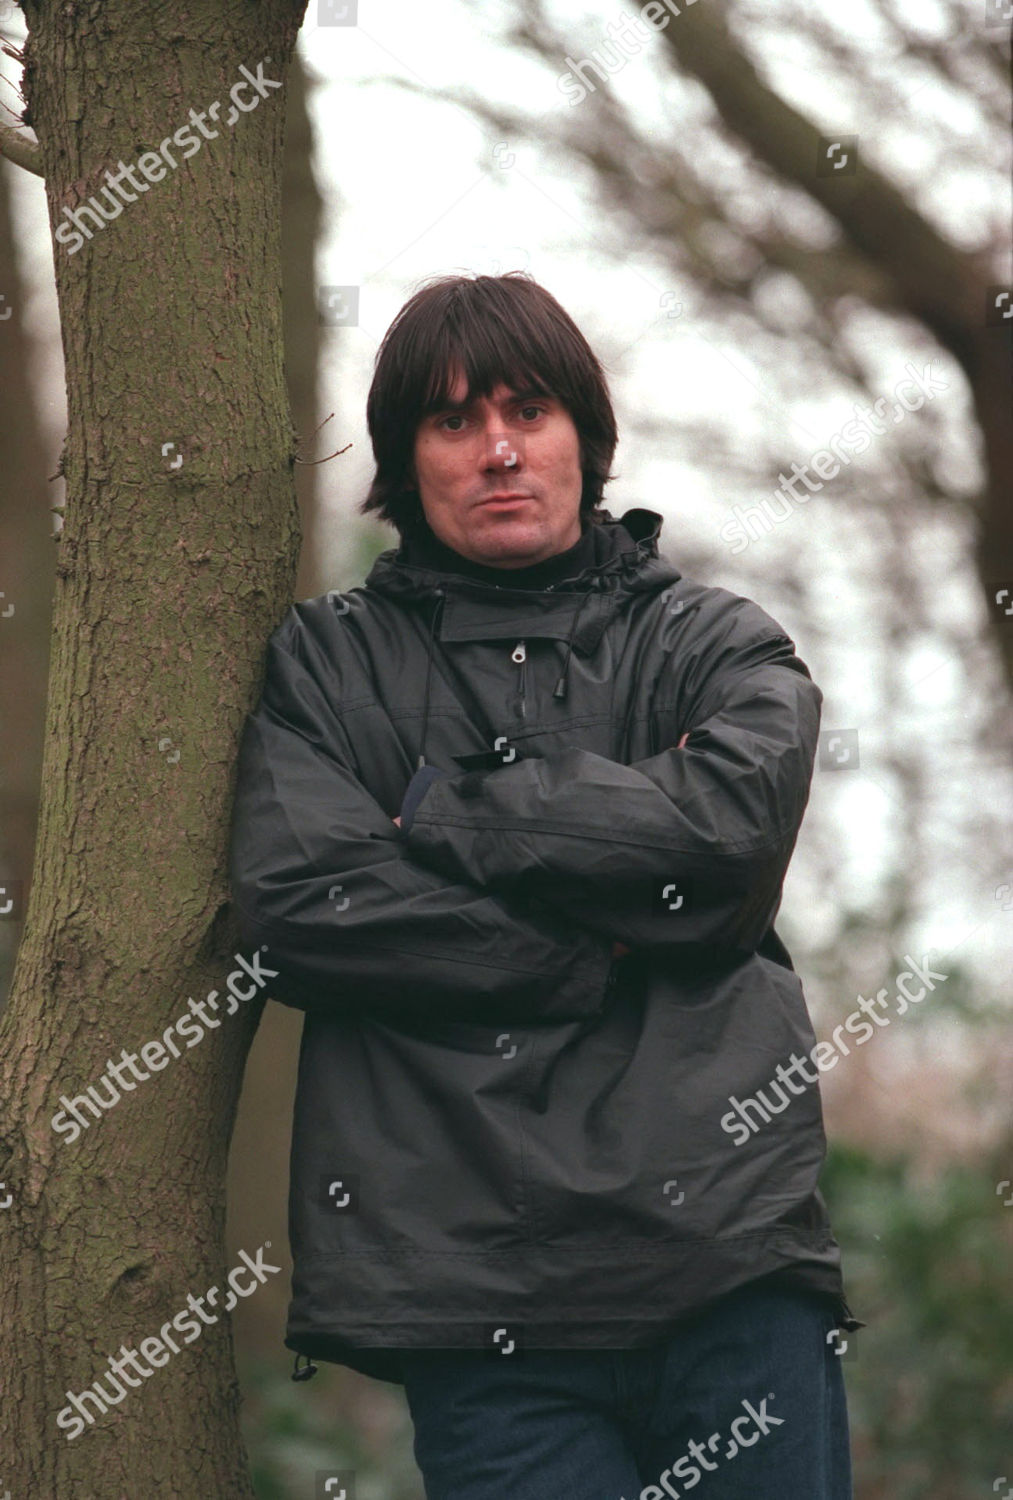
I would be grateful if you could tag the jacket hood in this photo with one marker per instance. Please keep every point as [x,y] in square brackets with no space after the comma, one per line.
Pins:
[468,609]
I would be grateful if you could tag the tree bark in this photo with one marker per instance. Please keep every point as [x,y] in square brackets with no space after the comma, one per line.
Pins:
[173,566]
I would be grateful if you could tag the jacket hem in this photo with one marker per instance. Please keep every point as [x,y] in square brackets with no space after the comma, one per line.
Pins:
[371,1341]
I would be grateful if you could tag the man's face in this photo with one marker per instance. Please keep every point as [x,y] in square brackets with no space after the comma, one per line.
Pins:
[503,444]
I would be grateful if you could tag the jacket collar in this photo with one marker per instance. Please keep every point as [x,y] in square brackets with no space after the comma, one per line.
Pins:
[575,610]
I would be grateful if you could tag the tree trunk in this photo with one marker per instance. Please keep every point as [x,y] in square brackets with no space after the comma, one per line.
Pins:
[177,557]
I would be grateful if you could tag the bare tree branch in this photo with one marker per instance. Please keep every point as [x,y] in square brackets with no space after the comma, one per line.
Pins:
[932,278]
[20,150]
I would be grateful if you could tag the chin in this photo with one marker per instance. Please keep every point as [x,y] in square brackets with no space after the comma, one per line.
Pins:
[498,548]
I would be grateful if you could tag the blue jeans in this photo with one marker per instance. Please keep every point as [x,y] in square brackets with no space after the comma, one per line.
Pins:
[746,1400]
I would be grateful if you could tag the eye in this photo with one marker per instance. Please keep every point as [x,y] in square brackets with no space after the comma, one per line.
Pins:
[533,406]
[452,417]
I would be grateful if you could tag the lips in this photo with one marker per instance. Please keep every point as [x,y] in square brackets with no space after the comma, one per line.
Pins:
[503,499]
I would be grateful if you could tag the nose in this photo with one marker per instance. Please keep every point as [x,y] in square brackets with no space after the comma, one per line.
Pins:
[503,453]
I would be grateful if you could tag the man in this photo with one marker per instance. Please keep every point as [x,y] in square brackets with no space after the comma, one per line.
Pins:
[511,826]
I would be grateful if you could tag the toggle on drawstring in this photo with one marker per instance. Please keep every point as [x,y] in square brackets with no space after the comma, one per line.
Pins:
[559,691]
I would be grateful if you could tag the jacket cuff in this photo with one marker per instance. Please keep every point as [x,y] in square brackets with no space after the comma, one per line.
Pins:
[415,791]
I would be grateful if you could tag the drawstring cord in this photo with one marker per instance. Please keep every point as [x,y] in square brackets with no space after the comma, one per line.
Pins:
[559,691]
[429,669]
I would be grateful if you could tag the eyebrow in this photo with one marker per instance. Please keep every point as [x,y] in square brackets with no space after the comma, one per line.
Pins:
[527,394]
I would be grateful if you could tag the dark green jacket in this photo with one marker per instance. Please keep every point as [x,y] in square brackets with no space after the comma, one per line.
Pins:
[497,1124]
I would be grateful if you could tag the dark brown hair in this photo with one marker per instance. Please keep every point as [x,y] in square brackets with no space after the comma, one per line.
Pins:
[493,328]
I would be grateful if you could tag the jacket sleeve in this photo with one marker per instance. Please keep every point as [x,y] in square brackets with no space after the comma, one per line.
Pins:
[688,846]
[320,878]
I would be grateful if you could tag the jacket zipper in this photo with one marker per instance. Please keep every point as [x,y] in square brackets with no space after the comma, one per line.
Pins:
[520,655]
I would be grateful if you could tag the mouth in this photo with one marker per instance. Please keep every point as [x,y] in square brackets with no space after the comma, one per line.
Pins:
[504,500]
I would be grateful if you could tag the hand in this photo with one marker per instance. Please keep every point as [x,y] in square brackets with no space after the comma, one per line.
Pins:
[397,822]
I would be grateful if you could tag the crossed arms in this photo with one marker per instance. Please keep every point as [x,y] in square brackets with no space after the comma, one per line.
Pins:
[507,895]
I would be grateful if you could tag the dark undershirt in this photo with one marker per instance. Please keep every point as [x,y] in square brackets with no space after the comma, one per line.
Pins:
[421,548]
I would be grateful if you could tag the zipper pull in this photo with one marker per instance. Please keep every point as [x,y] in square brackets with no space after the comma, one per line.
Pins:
[520,655]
